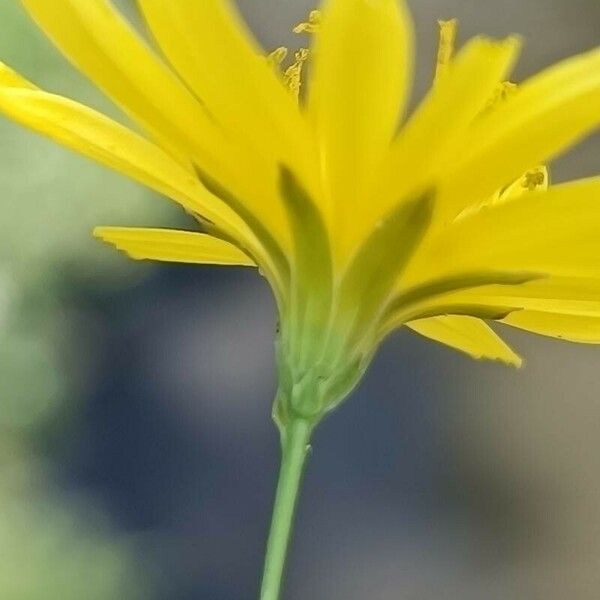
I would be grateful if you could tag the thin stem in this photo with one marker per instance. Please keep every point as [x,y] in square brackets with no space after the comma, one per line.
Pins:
[295,449]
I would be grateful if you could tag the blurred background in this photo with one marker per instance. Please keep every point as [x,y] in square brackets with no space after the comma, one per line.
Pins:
[137,456]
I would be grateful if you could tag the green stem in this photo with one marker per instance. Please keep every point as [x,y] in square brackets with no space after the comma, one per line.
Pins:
[295,448]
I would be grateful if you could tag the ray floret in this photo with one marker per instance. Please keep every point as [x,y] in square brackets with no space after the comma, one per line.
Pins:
[314,181]
[305,163]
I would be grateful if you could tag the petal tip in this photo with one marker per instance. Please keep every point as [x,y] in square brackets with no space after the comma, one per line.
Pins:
[517,362]
[103,233]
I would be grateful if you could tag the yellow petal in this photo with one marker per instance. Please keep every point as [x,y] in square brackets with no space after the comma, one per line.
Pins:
[469,335]
[574,328]
[562,307]
[567,295]
[435,133]
[554,232]
[102,44]
[95,136]
[362,71]
[544,117]
[407,300]
[173,246]
[215,54]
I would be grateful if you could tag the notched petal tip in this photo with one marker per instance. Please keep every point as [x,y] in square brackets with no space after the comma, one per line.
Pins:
[172,245]
[513,40]
[510,360]
[115,237]
[106,235]
[509,46]
[468,335]
[101,233]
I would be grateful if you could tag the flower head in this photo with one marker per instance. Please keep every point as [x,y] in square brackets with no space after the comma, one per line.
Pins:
[363,219]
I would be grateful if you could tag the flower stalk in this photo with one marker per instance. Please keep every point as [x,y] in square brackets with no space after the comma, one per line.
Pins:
[295,448]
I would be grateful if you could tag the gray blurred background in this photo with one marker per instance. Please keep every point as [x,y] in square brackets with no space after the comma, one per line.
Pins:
[137,457]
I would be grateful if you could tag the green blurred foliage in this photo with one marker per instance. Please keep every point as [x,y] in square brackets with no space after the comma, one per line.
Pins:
[49,553]
[51,200]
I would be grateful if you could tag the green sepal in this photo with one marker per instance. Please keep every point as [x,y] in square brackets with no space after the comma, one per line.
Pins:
[312,269]
[375,268]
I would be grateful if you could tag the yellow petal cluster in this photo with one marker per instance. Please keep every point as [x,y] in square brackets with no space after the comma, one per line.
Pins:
[363,218]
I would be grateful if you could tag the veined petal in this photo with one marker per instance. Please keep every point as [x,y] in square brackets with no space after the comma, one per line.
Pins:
[554,232]
[215,54]
[432,136]
[95,37]
[95,136]
[574,328]
[562,307]
[407,300]
[566,295]
[545,116]
[469,335]
[362,72]
[173,246]
[102,44]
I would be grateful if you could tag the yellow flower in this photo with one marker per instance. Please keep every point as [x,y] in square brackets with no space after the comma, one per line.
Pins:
[361,218]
